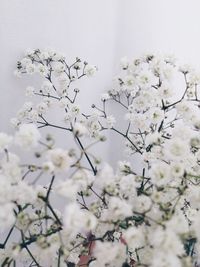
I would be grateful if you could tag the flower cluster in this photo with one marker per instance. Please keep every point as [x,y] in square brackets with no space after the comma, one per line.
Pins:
[126,217]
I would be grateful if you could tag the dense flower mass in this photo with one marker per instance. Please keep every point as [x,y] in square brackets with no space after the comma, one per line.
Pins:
[133,216]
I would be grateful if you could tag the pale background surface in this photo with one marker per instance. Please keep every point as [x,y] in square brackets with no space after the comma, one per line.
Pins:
[99,31]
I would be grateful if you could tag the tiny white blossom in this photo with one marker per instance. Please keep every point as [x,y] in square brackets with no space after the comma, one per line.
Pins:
[76,219]
[134,237]
[118,209]
[90,70]
[30,91]
[46,87]
[5,141]
[48,166]
[7,217]
[59,158]
[27,136]
[105,97]
[31,68]
[160,173]
[67,189]
[110,121]
[43,70]
[115,257]
[80,129]
[124,63]
[42,108]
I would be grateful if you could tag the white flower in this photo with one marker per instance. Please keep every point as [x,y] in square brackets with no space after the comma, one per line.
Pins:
[25,61]
[44,55]
[124,167]
[176,148]
[17,73]
[45,250]
[195,224]
[6,190]
[67,189]
[163,259]
[177,169]
[167,241]
[11,168]
[109,254]
[43,70]
[24,194]
[59,158]
[46,87]
[30,91]
[154,139]
[105,96]
[83,179]
[185,69]
[156,115]
[110,121]
[118,209]
[143,203]
[74,110]
[48,101]
[59,68]
[187,110]
[15,122]
[76,220]
[193,196]
[90,70]
[5,141]
[178,223]
[63,82]
[160,173]
[129,81]
[23,221]
[131,108]
[165,91]
[106,179]
[139,120]
[194,78]
[94,127]
[32,115]
[78,65]
[30,68]
[128,186]
[182,131]
[146,99]
[79,129]
[7,217]
[42,107]
[48,166]
[195,141]
[166,72]
[145,78]
[64,102]
[27,136]
[134,237]
[124,63]
[29,52]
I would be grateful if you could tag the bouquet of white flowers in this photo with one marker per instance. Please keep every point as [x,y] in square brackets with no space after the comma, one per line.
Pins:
[69,208]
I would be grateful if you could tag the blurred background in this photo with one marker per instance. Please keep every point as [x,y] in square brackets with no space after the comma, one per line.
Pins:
[98,31]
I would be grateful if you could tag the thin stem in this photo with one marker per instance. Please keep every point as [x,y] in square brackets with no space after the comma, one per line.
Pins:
[124,135]
[2,246]
[86,155]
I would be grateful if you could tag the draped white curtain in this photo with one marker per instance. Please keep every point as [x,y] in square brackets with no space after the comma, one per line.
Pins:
[99,31]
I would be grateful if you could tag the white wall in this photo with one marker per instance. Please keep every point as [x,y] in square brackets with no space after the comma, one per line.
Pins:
[100,31]
[86,29]
[166,26]
[74,27]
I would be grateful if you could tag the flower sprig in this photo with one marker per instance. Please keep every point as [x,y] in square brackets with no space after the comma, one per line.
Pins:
[146,215]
